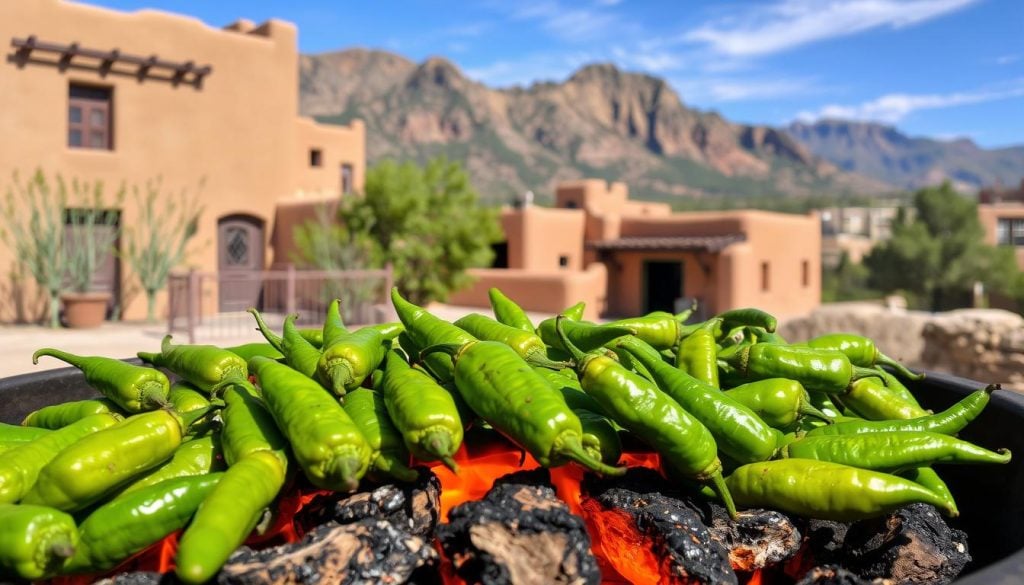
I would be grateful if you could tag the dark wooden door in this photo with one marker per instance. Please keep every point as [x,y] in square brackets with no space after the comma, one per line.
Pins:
[663,284]
[240,248]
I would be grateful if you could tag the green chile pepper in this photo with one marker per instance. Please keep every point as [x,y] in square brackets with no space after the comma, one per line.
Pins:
[314,337]
[20,467]
[569,387]
[892,451]
[20,434]
[328,446]
[929,479]
[35,541]
[862,351]
[737,431]
[762,335]
[818,370]
[388,456]
[205,366]
[298,352]
[698,354]
[502,389]
[778,401]
[948,422]
[7,446]
[893,383]
[120,528]
[872,400]
[829,491]
[685,445]
[185,398]
[748,317]
[506,311]
[61,415]
[423,330]
[101,462]
[659,329]
[586,336]
[133,388]
[228,514]
[193,458]
[528,345]
[600,438]
[425,413]
[334,326]
[349,359]
[248,350]
[575,312]
[389,331]
[248,428]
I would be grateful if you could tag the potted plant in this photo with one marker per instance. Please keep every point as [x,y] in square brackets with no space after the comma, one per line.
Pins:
[91,232]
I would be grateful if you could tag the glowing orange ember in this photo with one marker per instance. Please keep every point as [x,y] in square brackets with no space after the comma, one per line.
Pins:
[755,578]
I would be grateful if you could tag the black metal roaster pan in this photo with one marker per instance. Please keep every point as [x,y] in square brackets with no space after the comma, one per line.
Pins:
[991,498]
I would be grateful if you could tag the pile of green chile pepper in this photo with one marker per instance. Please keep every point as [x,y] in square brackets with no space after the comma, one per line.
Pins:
[822,429]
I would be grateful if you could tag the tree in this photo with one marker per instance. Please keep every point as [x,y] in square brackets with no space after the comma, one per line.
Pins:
[938,256]
[426,221]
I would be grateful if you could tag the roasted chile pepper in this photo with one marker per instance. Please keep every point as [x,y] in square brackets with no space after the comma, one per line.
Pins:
[388,456]
[349,359]
[20,467]
[738,432]
[892,451]
[502,389]
[528,345]
[196,457]
[422,410]
[61,415]
[101,462]
[698,354]
[862,351]
[122,527]
[185,398]
[299,353]
[328,446]
[20,434]
[948,422]
[424,330]
[249,350]
[829,491]
[35,541]
[685,445]
[818,370]
[133,388]
[586,336]
[872,400]
[506,311]
[204,366]
[777,401]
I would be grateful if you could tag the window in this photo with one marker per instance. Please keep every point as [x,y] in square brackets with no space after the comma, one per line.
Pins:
[346,178]
[563,261]
[1003,232]
[89,117]
[570,205]
[765,281]
[805,273]
[316,157]
[1017,232]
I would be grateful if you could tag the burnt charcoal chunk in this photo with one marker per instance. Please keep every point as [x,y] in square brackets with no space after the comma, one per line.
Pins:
[680,540]
[413,507]
[757,538]
[139,578]
[911,545]
[833,575]
[520,533]
[825,539]
[368,551]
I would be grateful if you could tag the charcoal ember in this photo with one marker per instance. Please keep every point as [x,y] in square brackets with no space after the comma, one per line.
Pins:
[833,575]
[824,539]
[757,538]
[364,552]
[520,533]
[414,507]
[139,578]
[911,545]
[681,543]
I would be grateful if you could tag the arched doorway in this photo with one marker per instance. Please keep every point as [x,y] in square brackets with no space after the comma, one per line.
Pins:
[240,247]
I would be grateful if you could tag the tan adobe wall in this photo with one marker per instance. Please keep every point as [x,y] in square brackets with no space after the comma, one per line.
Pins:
[546,292]
[989,215]
[240,130]
[538,236]
[626,279]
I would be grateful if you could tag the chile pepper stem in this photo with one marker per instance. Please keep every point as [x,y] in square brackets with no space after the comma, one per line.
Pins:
[862,372]
[62,548]
[261,325]
[439,444]
[63,356]
[572,448]
[717,483]
[545,362]
[340,374]
[574,351]
[684,315]
[452,349]
[902,370]
[807,409]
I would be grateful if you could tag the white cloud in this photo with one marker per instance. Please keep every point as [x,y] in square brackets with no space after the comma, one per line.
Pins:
[572,24]
[1007,59]
[734,90]
[893,107]
[791,23]
[653,61]
[528,69]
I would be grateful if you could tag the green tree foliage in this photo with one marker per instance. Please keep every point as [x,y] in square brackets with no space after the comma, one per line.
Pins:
[936,258]
[427,222]
[848,281]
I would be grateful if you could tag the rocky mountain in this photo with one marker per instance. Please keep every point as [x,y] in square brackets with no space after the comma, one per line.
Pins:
[885,153]
[601,122]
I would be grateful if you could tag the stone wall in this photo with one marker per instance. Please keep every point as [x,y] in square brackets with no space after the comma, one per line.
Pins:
[982,344]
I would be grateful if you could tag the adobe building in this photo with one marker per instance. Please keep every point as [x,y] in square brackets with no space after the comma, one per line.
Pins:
[626,257]
[125,97]
[1001,212]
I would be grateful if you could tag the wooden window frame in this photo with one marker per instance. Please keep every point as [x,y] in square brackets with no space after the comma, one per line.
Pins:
[316,157]
[348,175]
[766,280]
[87,106]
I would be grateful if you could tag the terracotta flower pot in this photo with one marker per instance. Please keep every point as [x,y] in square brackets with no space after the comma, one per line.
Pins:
[85,310]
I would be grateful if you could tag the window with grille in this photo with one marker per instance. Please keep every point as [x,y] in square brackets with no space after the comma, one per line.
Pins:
[89,117]
[1017,232]
[237,246]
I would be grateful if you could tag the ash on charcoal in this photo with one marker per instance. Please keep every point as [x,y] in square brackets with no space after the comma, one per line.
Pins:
[520,533]
[911,545]
[139,578]
[833,575]
[681,541]
[367,551]
[414,507]
[757,538]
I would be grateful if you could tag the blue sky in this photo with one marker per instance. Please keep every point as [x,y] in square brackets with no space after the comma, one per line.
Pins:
[940,68]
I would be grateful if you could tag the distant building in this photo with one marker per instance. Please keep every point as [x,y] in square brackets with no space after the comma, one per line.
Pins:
[1001,212]
[1001,195]
[854,231]
[627,257]
[124,97]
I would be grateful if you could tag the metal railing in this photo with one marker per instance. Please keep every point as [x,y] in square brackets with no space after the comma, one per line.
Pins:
[214,305]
